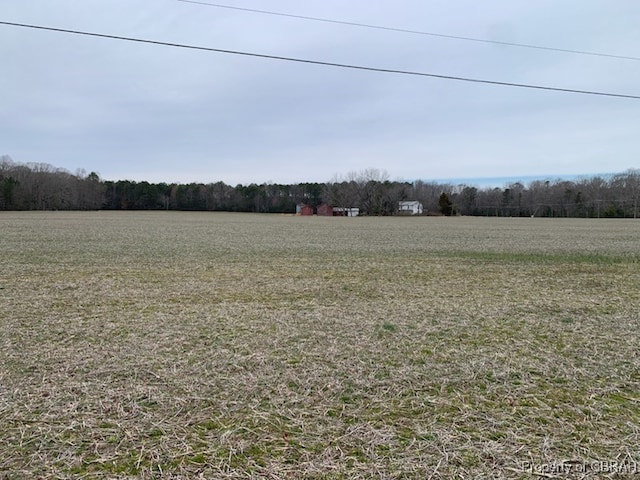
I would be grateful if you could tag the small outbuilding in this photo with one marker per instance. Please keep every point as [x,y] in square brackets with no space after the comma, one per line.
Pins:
[346,211]
[325,210]
[302,209]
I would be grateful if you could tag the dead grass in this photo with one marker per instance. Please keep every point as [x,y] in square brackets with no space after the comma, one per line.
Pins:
[184,345]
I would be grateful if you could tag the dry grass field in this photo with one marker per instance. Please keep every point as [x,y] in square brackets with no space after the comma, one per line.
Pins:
[200,345]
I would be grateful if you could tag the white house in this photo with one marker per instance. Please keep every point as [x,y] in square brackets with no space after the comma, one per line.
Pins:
[410,208]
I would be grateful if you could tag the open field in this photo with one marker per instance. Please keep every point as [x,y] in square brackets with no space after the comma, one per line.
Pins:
[199,345]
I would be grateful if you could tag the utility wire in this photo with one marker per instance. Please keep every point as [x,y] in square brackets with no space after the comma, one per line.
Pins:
[326,64]
[415,32]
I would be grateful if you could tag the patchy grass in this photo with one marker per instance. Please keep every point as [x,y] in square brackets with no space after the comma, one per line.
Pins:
[187,345]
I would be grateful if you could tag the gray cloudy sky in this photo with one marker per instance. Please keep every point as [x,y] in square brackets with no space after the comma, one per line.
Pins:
[147,112]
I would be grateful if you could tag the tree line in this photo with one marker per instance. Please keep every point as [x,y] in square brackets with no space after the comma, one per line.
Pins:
[44,187]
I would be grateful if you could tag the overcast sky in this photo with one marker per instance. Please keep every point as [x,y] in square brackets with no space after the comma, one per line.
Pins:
[148,112]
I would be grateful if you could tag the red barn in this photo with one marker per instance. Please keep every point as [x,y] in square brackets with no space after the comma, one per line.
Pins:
[325,210]
[306,210]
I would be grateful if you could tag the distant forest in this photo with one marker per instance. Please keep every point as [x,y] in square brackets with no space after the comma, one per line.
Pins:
[44,187]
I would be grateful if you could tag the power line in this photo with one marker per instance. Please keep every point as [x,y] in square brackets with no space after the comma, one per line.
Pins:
[415,32]
[326,64]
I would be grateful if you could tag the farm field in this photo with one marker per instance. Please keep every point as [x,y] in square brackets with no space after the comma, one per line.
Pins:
[216,345]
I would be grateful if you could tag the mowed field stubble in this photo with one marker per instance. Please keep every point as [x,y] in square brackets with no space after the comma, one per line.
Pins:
[216,345]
